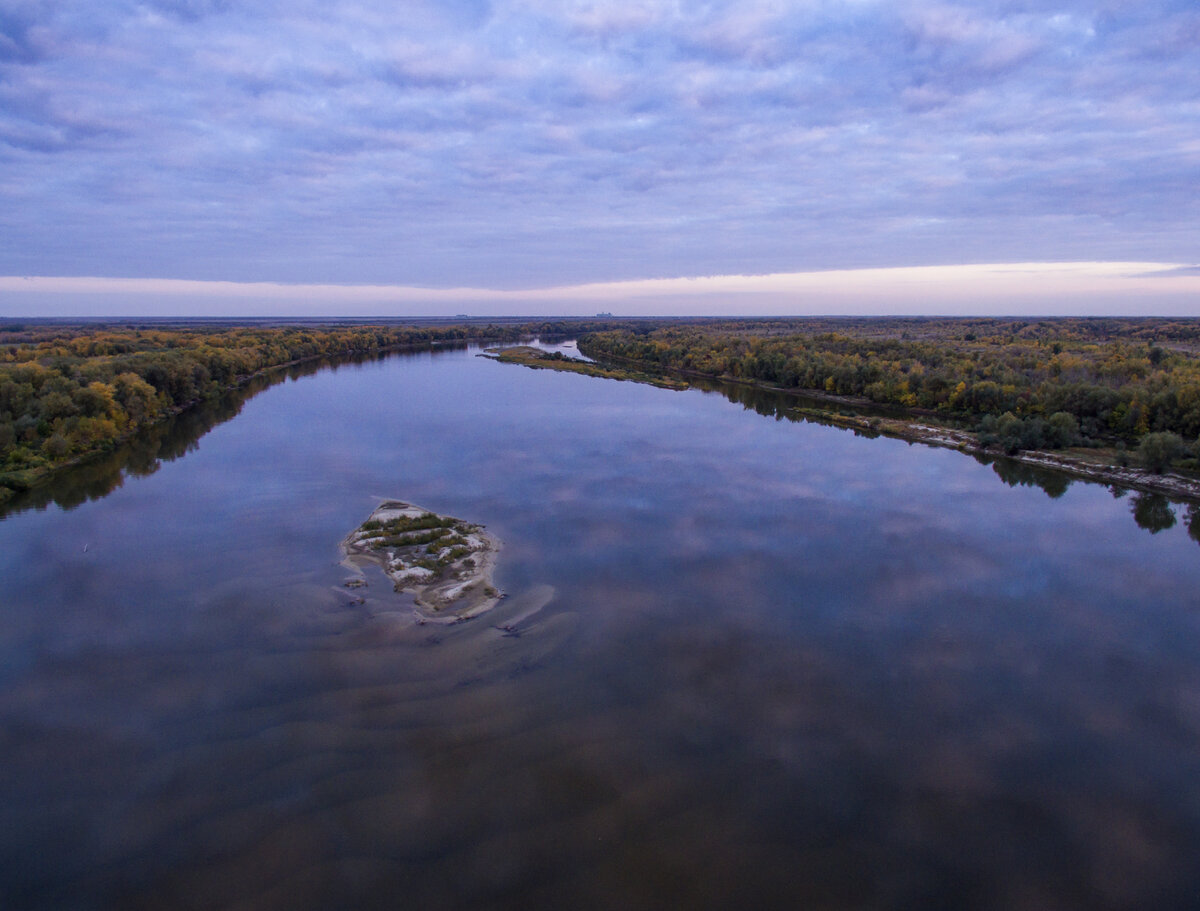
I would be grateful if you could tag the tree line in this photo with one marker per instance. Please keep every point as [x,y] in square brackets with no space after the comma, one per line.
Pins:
[1020,384]
[68,393]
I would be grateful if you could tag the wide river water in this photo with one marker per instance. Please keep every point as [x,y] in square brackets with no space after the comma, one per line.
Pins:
[744,662]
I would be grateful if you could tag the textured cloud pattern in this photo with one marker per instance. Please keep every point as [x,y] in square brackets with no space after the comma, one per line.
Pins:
[520,144]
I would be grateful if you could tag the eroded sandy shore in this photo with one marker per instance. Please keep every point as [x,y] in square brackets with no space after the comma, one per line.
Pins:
[1075,463]
[446,563]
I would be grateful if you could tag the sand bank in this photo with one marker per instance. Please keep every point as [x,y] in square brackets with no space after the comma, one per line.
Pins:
[446,563]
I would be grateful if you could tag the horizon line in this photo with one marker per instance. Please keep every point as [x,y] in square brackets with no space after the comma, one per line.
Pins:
[1062,288]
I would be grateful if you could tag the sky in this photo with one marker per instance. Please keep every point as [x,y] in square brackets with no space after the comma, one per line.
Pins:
[272,157]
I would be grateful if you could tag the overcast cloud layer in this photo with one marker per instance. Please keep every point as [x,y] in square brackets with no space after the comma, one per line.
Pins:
[524,145]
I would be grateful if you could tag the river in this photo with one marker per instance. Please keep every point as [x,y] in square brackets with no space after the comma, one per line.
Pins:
[743,661]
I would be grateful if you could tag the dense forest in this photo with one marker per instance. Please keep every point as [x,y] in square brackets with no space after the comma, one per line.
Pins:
[1020,384]
[69,393]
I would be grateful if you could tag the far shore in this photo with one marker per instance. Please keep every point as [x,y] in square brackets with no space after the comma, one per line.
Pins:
[1089,464]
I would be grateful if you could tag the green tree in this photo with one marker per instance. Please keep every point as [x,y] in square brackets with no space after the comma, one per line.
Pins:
[56,446]
[1062,430]
[1158,450]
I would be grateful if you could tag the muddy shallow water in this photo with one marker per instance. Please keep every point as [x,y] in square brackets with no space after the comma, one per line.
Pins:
[743,660]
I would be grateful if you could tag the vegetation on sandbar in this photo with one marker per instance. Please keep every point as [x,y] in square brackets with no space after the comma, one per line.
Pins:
[428,541]
[445,562]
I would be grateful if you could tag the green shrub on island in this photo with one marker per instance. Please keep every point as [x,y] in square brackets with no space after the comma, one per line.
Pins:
[416,539]
[407,524]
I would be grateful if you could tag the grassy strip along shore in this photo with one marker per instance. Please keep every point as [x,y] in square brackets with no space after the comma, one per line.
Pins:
[552,360]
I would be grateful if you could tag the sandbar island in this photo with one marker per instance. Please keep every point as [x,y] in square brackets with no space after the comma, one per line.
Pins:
[446,563]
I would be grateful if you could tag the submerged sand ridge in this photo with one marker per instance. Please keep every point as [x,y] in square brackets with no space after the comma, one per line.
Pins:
[446,563]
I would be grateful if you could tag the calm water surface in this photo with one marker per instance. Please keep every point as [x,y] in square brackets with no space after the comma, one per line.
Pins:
[751,662]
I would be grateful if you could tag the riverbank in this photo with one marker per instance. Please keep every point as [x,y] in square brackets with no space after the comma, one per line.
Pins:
[142,379]
[1091,464]
[539,359]
[1088,464]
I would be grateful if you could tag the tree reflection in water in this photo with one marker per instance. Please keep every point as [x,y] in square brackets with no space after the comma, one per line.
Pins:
[167,440]
[1152,511]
